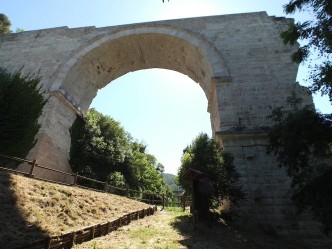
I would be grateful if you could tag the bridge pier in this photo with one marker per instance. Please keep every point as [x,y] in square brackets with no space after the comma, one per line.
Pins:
[53,139]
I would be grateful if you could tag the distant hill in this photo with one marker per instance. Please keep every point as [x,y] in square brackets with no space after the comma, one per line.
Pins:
[169,179]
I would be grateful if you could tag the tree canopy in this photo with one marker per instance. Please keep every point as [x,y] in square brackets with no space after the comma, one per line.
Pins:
[301,141]
[21,104]
[316,35]
[206,156]
[103,150]
[4,24]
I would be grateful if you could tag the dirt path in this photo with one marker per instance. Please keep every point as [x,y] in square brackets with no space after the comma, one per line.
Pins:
[172,230]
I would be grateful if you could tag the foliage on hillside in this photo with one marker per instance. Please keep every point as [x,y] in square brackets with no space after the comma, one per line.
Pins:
[21,104]
[103,150]
[170,180]
[206,156]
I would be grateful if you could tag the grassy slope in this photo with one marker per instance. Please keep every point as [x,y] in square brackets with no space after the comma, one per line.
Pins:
[29,209]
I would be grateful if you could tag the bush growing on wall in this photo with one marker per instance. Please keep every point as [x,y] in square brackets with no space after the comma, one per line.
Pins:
[21,104]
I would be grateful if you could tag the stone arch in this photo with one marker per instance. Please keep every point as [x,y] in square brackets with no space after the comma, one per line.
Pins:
[262,77]
[114,54]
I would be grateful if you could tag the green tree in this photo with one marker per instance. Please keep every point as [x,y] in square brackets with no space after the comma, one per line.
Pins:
[205,155]
[4,24]
[117,179]
[316,35]
[103,150]
[301,141]
[99,145]
[21,104]
[143,172]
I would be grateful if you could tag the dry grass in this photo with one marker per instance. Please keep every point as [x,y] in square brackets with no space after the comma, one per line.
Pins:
[30,209]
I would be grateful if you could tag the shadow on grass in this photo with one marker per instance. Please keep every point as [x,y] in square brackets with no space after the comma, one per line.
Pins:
[15,232]
[216,234]
[210,234]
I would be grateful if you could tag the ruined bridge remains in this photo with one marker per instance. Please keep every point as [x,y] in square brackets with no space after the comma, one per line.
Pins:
[239,61]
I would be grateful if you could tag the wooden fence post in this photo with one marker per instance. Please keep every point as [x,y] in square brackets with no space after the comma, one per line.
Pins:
[32,168]
[72,239]
[48,243]
[105,187]
[163,201]
[93,230]
[108,227]
[195,219]
[127,192]
[75,179]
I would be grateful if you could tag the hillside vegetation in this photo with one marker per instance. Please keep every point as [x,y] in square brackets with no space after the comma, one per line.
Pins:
[32,209]
[103,150]
[169,179]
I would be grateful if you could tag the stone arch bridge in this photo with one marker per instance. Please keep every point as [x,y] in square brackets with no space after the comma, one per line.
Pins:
[239,61]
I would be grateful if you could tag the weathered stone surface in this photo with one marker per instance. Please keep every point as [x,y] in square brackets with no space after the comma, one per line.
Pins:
[239,61]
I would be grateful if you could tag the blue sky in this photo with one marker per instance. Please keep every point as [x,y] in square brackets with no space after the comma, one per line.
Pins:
[163,108]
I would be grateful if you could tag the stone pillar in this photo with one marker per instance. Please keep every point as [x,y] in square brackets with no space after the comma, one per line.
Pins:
[217,84]
[268,205]
[267,186]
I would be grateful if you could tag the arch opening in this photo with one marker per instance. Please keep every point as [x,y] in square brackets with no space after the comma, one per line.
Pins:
[163,108]
[114,55]
[111,55]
